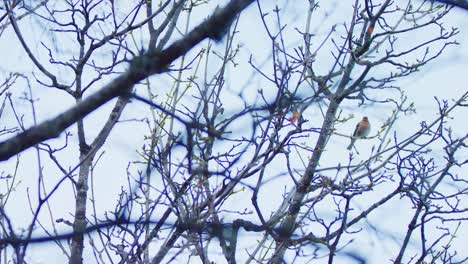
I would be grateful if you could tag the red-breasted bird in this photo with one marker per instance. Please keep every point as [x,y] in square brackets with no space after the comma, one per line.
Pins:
[361,131]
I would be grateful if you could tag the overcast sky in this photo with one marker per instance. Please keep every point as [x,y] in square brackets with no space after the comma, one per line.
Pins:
[445,78]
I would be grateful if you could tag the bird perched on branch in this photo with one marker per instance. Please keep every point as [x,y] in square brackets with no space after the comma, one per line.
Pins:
[361,131]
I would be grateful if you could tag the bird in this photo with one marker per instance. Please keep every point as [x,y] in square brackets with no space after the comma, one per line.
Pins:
[361,131]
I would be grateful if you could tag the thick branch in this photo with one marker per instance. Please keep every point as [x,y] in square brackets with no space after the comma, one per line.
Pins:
[459,3]
[140,68]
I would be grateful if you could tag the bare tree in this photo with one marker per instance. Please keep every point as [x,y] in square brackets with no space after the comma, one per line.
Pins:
[240,154]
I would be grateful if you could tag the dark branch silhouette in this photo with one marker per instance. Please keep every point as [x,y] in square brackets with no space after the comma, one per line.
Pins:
[141,67]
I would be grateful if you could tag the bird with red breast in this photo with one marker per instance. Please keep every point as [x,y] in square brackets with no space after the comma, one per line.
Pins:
[361,131]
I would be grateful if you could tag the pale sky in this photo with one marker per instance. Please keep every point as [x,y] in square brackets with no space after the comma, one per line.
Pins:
[445,78]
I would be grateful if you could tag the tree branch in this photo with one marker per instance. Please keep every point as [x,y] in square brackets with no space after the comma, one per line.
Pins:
[141,67]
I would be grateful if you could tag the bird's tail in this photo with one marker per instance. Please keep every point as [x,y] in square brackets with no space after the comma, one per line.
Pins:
[351,144]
